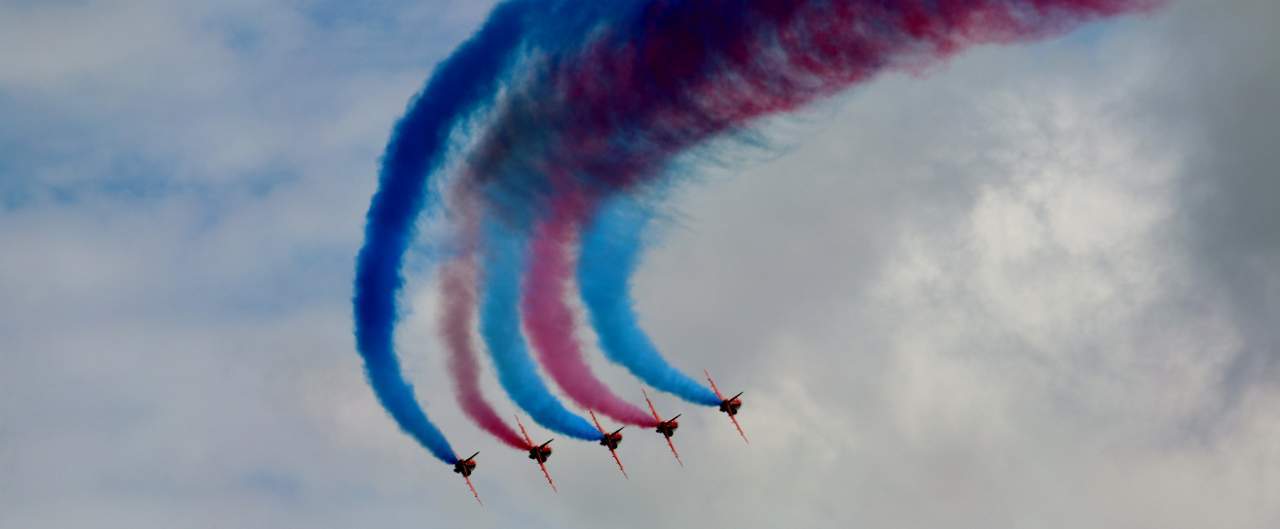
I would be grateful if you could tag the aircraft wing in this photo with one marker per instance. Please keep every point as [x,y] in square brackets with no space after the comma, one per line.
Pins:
[739,427]
[543,466]
[527,440]
[674,452]
[473,490]
[713,385]
[652,410]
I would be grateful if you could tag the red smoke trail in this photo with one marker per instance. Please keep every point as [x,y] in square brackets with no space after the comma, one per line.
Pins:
[550,322]
[457,302]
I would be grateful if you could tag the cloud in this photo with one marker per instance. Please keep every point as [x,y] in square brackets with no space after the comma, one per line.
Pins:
[1033,288]
[1233,226]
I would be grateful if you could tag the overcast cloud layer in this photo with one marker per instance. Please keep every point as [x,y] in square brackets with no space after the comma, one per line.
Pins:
[1037,287]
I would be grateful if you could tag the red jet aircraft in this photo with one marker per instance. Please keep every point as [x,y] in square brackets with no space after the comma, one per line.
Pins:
[465,467]
[667,428]
[539,453]
[610,441]
[729,406]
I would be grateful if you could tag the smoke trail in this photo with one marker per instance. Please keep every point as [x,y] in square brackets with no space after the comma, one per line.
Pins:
[606,95]
[457,303]
[611,246]
[608,116]
[550,322]
[500,326]
[672,75]
[460,84]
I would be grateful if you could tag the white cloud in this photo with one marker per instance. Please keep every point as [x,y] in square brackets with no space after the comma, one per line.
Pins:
[985,298]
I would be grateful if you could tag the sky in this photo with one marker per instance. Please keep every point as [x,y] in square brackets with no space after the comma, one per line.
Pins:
[1035,286]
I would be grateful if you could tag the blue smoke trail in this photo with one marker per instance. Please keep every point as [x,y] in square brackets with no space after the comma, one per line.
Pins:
[611,246]
[504,264]
[459,86]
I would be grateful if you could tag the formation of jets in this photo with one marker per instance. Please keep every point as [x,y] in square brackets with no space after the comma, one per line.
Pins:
[611,440]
